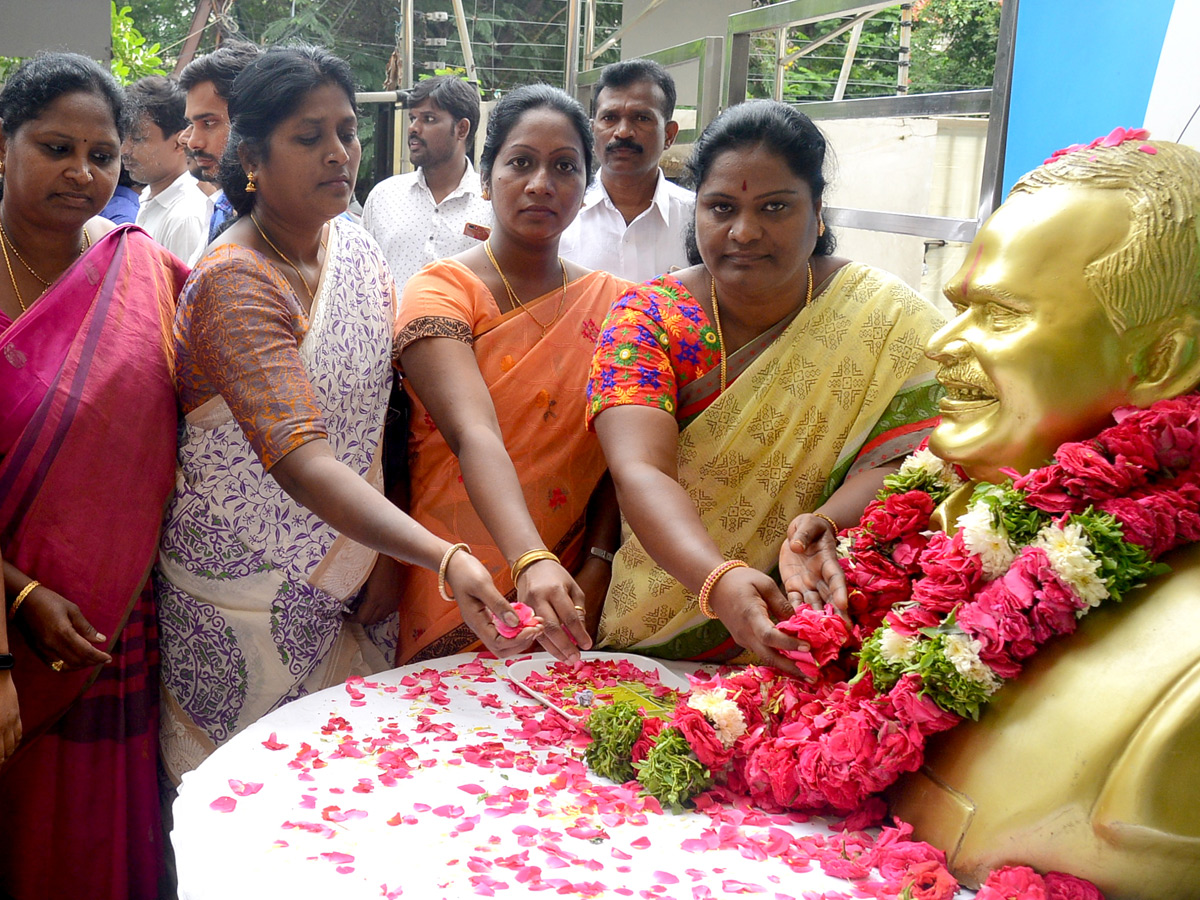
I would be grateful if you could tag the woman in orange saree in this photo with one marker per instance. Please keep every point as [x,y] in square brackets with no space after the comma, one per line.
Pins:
[499,457]
[87,459]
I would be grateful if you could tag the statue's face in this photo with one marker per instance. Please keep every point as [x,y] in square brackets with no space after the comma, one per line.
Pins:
[1031,359]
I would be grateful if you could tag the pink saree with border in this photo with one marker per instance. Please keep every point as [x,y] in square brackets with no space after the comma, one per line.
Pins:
[87,437]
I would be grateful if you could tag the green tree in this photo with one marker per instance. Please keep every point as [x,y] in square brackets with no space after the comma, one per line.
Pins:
[132,57]
[954,45]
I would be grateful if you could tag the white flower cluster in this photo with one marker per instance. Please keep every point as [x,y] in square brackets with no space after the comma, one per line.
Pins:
[986,540]
[726,719]
[894,647]
[925,462]
[963,654]
[1070,554]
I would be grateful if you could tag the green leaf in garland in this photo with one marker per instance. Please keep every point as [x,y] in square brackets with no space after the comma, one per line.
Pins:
[942,682]
[884,674]
[1123,565]
[1008,507]
[615,729]
[670,772]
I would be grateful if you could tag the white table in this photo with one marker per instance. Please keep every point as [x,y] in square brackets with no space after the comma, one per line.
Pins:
[417,783]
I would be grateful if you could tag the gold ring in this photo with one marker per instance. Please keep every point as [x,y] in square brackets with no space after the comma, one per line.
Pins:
[57,665]
[580,608]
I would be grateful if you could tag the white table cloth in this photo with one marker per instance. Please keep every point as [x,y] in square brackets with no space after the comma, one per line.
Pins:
[440,780]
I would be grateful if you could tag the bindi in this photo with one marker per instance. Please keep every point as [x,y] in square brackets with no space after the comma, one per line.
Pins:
[743,185]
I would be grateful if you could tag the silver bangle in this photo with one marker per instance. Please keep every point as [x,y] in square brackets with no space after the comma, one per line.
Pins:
[600,553]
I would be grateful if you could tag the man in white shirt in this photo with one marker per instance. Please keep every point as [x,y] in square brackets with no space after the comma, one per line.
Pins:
[438,210]
[174,211]
[633,219]
[208,82]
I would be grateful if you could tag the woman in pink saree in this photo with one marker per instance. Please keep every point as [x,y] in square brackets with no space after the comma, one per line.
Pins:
[87,444]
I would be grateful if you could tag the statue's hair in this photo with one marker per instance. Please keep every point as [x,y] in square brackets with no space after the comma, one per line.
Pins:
[1155,273]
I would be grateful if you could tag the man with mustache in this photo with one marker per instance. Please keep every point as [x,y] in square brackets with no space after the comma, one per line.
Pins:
[438,210]
[173,210]
[208,82]
[633,218]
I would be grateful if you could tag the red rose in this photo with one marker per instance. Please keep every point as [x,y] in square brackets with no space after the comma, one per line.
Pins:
[898,515]
[1013,883]
[1061,886]
[1088,473]
[911,618]
[883,583]
[825,633]
[701,737]
[1044,490]
[651,727]
[913,709]
[951,573]
[1129,445]
[929,880]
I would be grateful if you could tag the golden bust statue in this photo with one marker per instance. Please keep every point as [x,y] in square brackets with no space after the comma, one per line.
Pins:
[1079,295]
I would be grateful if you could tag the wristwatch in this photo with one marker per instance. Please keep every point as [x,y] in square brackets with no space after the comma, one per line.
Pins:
[602,554]
[6,661]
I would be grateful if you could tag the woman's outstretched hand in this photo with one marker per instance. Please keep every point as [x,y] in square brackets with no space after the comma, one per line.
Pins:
[58,631]
[549,590]
[808,565]
[749,604]
[478,602]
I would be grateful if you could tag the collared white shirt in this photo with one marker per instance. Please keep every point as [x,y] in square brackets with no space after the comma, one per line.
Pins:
[648,246]
[177,217]
[413,230]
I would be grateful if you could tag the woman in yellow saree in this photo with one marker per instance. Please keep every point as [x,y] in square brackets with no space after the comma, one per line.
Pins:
[714,450]
[498,458]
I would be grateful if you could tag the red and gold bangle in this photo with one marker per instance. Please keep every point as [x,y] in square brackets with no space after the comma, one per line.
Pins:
[711,582]
[832,524]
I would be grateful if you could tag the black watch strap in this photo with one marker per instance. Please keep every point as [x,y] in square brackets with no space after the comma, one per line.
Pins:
[6,660]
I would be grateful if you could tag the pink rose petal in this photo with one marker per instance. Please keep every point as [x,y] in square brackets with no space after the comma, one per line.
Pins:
[223,804]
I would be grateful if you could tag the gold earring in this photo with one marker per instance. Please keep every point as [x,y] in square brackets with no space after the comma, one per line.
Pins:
[1,167]
[251,187]
[820,228]
[485,194]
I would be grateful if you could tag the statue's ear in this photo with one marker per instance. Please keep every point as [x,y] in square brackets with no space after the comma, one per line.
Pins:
[1167,364]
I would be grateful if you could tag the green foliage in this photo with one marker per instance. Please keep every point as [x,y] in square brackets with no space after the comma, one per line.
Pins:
[1123,565]
[615,728]
[1020,521]
[954,45]
[132,58]
[670,772]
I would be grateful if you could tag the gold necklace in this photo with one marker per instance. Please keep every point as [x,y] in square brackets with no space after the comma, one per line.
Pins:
[6,242]
[27,266]
[311,297]
[717,317]
[516,301]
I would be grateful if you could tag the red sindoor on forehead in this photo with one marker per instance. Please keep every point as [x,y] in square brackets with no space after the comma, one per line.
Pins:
[743,185]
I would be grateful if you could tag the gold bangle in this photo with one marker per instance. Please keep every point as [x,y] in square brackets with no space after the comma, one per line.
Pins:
[711,582]
[527,559]
[832,524]
[454,548]
[25,592]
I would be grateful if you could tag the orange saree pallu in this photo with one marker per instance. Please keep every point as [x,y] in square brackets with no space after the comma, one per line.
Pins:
[537,385]
[87,433]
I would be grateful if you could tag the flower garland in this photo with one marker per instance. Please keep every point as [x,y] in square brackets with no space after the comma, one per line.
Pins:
[939,622]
